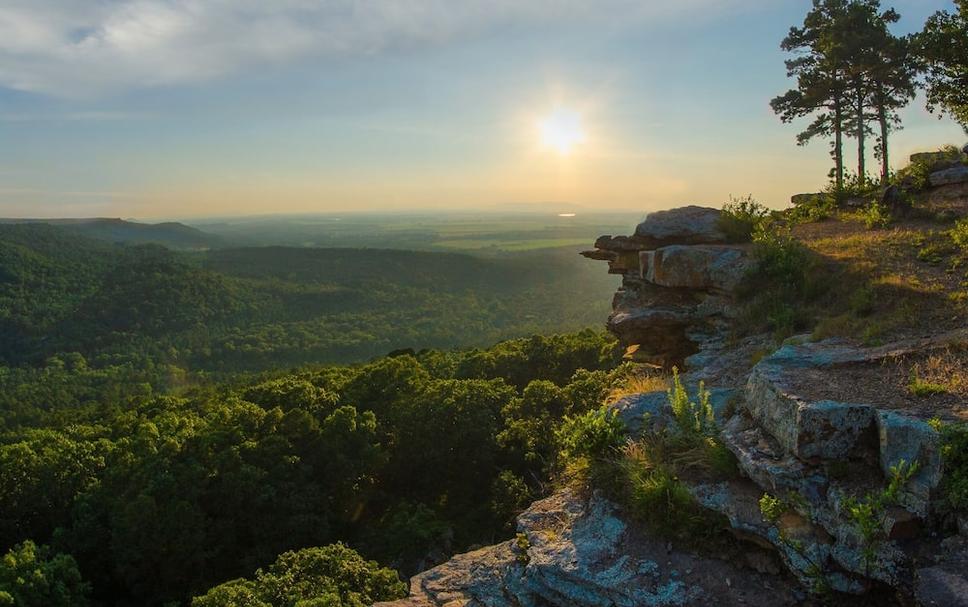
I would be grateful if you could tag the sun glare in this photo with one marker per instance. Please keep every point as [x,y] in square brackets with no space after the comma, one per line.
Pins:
[561,130]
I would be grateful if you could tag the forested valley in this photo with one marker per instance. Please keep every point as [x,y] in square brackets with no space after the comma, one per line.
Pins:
[172,422]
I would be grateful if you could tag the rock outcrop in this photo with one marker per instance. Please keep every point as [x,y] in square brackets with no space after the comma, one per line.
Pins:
[808,425]
[576,550]
[678,274]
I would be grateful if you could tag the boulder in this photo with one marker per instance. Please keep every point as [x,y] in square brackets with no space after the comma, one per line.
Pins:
[707,267]
[902,438]
[489,577]
[684,225]
[943,585]
[822,429]
[935,161]
[895,201]
[957,174]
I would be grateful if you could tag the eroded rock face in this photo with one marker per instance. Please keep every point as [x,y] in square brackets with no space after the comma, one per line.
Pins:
[580,552]
[677,282]
[684,225]
[704,267]
[957,174]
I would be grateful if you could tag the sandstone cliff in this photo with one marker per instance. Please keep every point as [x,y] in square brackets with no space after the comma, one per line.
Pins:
[802,427]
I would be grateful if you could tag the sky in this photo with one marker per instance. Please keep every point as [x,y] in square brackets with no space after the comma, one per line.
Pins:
[153,109]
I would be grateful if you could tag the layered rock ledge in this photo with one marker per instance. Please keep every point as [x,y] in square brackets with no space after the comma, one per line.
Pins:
[808,424]
[678,274]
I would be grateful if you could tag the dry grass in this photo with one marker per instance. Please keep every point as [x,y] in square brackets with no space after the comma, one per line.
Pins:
[904,281]
[642,383]
[948,370]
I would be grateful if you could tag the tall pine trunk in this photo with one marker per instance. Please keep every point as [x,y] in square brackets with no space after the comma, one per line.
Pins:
[861,136]
[839,142]
[885,160]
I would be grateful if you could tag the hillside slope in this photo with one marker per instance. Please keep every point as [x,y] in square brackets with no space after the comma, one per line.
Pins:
[171,234]
[259,308]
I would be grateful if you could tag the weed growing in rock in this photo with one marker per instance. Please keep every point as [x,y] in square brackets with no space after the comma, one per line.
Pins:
[696,419]
[645,476]
[741,217]
[773,508]
[520,548]
[869,513]
[645,480]
[697,443]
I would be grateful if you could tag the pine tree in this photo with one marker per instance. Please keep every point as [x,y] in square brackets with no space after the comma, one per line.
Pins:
[943,47]
[821,85]
[882,74]
[893,86]
[851,71]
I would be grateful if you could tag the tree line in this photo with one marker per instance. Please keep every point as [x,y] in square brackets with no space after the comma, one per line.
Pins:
[854,75]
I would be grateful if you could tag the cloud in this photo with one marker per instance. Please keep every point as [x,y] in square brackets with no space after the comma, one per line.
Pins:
[81,49]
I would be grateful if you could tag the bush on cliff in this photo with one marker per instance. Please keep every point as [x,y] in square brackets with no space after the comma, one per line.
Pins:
[787,279]
[741,217]
[645,473]
[594,435]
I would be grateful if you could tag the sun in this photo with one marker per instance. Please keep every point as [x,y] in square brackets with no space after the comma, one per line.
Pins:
[561,130]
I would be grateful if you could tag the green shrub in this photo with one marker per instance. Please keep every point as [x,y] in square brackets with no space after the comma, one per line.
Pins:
[855,186]
[741,217]
[876,215]
[868,514]
[921,388]
[644,480]
[594,435]
[695,418]
[954,453]
[31,576]
[334,576]
[959,234]
[816,208]
[779,255]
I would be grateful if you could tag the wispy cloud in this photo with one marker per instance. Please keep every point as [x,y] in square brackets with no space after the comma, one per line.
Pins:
[76,49]
[89,116]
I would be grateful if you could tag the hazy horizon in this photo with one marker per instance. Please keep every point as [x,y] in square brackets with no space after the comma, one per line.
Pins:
[158,110]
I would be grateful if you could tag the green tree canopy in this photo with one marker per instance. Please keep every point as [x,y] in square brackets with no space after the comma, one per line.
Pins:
[31,576]
[332,576]
[943,45]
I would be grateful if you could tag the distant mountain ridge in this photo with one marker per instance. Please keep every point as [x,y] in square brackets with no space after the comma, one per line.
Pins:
[170,233]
